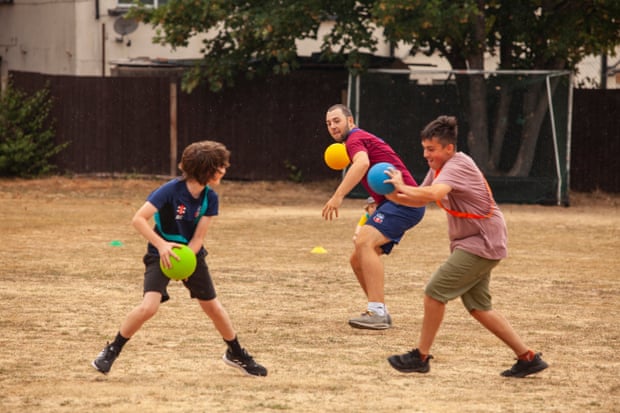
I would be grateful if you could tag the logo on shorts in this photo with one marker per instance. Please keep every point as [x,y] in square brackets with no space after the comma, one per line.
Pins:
[181,210]
[378,218]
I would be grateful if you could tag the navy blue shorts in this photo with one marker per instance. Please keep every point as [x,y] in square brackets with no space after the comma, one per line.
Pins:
[199,284]
[392,220]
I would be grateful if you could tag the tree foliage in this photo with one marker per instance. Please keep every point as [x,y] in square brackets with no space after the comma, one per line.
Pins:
[26,135]
[259,36]
[529,34]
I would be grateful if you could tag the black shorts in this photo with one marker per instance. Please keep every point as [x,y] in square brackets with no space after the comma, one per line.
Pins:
[199,284]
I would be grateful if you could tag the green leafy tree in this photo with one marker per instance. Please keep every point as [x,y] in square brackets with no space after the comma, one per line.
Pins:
[26,137]
[529,34]
[260,36]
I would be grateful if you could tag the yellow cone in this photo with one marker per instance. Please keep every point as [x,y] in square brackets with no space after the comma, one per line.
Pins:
[318,250]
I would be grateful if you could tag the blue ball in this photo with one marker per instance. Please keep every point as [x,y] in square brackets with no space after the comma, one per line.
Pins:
[376,176]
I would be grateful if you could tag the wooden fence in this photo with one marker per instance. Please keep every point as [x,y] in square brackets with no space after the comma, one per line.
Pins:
[595,145]
[274,126]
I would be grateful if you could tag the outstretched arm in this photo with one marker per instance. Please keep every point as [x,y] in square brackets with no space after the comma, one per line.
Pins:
[412,195]
[354,175]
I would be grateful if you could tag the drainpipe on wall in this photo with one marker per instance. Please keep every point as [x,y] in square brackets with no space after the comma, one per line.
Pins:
[102,49]
[2,81]
[604,71]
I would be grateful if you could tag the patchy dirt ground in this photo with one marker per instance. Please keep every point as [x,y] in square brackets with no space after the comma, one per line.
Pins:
[65,286]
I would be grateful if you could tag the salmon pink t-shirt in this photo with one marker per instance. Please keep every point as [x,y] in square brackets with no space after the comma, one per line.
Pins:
[480,229]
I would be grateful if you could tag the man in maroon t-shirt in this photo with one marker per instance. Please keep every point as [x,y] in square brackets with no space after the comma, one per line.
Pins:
[384,228]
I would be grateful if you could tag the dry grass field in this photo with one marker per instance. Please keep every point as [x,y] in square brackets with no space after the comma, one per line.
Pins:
[65,287]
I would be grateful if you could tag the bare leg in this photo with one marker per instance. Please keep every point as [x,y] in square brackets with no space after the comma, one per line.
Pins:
[140,314]
[357,269]
[369,264]
[218,314]
[433,316]
[498,325]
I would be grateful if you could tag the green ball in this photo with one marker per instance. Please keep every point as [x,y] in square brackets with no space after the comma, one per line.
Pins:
[182,268]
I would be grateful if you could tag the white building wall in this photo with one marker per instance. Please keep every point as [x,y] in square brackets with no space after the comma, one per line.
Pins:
[87,40]
[38,35]
[66,37]
[590,71]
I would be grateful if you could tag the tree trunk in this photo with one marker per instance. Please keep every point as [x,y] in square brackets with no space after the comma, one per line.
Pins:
[499,133]
[535,108]
[502,114]
[478,136]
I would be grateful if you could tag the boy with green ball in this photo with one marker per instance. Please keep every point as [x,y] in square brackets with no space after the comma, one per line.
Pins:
[182,210]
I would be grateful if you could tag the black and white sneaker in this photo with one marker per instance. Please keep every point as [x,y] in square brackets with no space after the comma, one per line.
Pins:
[104,360]
[245,363]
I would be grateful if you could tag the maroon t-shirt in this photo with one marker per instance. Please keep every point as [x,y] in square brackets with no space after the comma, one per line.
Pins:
[378,151]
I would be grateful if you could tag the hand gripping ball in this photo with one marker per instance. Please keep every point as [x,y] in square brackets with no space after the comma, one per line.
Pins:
[376,176]
[182,268]
[336,156]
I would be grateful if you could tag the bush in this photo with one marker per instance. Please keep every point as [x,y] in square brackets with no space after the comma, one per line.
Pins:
[26,134]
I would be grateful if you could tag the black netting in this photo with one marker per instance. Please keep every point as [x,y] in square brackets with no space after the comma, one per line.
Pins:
[530,166]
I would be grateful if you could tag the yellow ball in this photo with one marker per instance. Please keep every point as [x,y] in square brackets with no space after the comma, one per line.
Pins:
[336,156]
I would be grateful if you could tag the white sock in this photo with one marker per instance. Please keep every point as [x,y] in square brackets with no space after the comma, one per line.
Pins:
[377,308]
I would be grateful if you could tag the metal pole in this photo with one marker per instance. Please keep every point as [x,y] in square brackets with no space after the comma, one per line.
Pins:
[556,150]
[173,127]
[569,130]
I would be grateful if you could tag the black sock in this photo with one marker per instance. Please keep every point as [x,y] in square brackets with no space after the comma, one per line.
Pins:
[234,346]
[119,341]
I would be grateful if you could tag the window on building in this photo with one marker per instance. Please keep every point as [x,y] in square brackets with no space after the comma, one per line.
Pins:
[153,3]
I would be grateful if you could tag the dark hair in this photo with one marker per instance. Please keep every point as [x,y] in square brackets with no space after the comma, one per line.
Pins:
[444,128]
[344,108]
[201,160]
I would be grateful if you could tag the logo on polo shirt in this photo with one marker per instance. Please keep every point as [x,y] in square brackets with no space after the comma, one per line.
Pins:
[378,218]
[181,210]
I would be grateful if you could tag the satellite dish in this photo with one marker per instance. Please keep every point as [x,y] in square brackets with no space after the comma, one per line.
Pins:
[124,26]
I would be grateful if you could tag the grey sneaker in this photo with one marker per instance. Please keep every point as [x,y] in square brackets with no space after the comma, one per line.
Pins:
[371,321]
[524,368]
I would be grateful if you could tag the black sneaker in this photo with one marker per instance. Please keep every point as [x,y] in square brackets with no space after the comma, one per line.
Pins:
[245,363]
[104,360]
[524,368]
[410,362]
